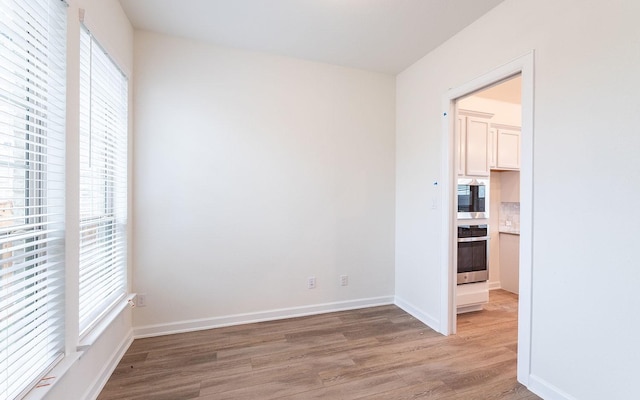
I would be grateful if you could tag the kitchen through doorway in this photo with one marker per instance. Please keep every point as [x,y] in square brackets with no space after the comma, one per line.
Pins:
[488,130]
[508,177]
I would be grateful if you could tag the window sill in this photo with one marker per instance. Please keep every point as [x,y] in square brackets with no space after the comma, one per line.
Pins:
[90,338]
[43,387]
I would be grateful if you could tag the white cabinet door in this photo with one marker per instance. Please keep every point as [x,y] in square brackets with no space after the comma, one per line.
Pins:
[477,148]
[493,148]
[461,140]
[508,149]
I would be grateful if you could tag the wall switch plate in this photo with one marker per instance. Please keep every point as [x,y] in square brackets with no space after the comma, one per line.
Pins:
[344,280]
[311,282]
[141,300]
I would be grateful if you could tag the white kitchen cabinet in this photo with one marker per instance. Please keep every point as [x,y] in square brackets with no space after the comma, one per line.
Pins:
[493,148]
[507,147]
[474,143]
[471,296]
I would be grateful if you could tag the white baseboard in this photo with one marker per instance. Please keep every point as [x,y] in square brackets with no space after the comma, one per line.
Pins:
[494,285]
[248,318]
[546,390]
[420,315]
[107,370]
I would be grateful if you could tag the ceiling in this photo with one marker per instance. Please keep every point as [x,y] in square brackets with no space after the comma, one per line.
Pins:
[378,35]
[508,91]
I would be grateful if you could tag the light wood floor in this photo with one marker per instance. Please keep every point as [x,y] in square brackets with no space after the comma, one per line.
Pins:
[374,353]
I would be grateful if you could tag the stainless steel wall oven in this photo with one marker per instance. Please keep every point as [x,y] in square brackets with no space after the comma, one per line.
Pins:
[473,253]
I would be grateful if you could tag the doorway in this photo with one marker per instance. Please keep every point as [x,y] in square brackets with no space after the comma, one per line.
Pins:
[500,105]
[522,66]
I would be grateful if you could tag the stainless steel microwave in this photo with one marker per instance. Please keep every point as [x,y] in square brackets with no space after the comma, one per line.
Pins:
[473,198]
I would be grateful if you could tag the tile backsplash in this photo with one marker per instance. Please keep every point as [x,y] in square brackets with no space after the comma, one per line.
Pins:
[509,218]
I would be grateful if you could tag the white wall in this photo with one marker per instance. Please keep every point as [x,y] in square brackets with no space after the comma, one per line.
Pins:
[509,254]
[587,110]
[254,172]
[85,376]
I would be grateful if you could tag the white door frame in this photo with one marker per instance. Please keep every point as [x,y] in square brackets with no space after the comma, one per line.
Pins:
[525,66]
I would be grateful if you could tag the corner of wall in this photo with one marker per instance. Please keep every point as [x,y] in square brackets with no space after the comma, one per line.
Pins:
[418,314]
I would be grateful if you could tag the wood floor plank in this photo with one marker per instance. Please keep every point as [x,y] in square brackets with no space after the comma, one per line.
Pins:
[363,387]
[373,353]
[423,391]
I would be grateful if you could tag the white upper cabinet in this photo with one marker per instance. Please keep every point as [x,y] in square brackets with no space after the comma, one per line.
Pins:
[507,147]
[477,162]
[493,148]
[474,141]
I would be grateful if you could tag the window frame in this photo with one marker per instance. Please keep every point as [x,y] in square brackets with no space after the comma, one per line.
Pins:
[110,223]
[32,221]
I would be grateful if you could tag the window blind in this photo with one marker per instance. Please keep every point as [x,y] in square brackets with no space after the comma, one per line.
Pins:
[103,183]
[32,123]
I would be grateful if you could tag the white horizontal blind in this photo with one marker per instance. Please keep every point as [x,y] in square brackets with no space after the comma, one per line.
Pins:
[32,123]
[103,183]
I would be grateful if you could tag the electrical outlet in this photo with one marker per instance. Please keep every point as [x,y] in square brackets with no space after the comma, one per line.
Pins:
[344,280]
[141,300]
[311,282]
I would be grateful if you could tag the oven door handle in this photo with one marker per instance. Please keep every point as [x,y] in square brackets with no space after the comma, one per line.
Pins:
[473,239]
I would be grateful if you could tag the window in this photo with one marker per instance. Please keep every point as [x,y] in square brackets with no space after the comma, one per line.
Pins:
[103,183]
[32,123]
